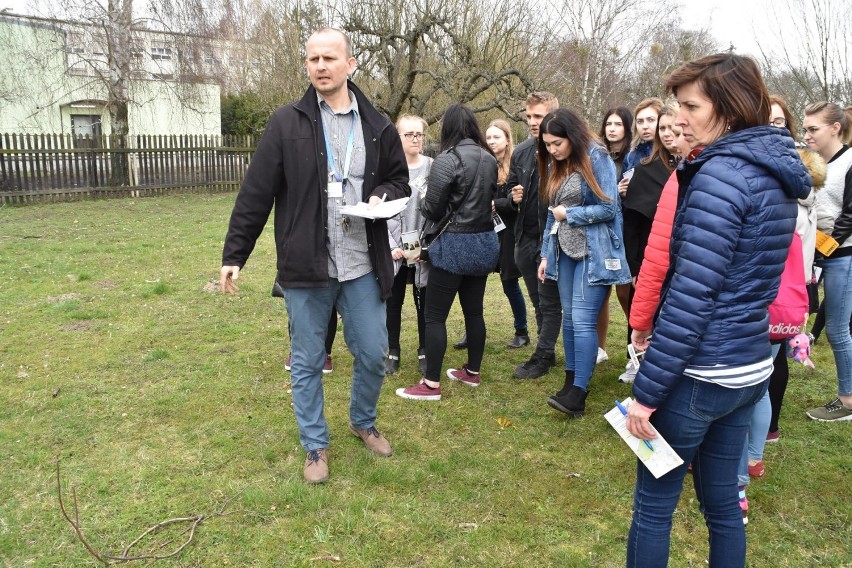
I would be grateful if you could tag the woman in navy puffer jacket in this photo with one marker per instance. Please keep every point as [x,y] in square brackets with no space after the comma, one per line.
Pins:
[710,357]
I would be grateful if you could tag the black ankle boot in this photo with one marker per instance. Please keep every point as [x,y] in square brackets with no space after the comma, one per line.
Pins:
[392,362]
[569,382]
[573,403]
[461,343]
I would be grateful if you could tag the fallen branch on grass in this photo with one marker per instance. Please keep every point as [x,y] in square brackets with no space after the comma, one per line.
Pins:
[194,521]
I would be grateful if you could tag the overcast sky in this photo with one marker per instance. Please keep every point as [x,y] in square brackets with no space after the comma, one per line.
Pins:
[730,21]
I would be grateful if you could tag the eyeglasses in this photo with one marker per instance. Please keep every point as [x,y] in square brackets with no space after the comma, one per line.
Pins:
[812,129]
[779,122]
[414,136]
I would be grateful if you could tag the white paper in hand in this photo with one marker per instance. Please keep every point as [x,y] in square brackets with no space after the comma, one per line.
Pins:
[384,210]
[659,461]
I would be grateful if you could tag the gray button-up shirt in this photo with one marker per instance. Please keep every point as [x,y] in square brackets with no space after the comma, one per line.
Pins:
[346,237]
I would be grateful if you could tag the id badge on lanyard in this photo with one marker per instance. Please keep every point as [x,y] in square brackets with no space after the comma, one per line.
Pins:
[336,180]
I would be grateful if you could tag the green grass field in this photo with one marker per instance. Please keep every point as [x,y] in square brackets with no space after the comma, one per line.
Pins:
[164,400]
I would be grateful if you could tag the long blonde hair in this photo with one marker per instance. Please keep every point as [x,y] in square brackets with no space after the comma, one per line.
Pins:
[503,165]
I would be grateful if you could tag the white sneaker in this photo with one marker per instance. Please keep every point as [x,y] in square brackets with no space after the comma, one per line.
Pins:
[602,356]
[629,374]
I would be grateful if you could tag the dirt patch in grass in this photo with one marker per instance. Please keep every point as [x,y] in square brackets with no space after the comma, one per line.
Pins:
[63,298]
[82,325]
[212,287]
[106,284]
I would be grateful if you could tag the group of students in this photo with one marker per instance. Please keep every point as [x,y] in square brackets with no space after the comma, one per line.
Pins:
[718,229]
[695,251]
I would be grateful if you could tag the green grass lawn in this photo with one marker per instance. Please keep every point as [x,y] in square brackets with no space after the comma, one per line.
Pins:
[164,400]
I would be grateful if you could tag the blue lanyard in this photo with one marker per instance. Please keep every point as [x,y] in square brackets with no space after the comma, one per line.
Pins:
[350,144]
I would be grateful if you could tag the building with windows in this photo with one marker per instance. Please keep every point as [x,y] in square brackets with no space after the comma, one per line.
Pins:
[57,76]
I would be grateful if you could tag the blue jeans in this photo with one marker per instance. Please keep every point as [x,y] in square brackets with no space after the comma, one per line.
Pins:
[838,311]
[512,290]
[581,304]
[758,428]
[363,311]
[706,425]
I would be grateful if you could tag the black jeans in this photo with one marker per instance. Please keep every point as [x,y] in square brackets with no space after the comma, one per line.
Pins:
[544,295]
[442,289]
[394,307]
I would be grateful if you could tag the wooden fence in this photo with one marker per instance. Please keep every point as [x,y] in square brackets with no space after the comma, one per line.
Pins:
[60,167]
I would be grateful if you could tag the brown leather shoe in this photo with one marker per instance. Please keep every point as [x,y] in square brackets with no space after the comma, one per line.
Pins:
[316,466]
[374,441]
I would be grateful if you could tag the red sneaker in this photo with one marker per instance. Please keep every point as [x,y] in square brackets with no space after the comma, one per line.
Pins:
[420,391]
[756,469]
[464,376]
[773,436]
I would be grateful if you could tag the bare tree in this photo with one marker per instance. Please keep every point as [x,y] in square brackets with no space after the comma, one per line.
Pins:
[811,57]
[420,55]
[669,48]
[603,43]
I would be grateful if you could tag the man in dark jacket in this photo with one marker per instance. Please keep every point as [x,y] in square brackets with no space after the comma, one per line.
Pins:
[328,150]
[529,225]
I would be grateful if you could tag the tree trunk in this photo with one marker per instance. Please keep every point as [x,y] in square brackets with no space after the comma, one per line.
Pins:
[119,17]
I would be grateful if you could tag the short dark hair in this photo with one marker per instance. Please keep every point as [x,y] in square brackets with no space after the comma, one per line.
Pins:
[626,118]
[733,83]
[459,123]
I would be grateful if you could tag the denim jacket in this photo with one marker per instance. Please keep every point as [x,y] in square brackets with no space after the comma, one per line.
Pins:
[606,263]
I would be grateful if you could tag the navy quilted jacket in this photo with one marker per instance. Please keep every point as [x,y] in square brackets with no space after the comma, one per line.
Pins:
[734,223]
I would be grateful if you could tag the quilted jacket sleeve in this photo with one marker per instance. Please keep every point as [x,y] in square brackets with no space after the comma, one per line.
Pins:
[705,241]
[649,284]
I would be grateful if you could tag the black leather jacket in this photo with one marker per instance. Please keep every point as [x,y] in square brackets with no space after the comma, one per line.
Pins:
[464,166]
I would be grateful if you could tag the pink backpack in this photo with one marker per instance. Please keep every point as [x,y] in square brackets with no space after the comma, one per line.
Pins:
[788,313]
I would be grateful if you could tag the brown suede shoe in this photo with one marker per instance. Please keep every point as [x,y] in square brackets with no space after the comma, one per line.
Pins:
[374,441]
[316,466]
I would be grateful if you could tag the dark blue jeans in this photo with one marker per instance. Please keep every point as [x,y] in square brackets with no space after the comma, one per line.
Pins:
[706,425]
[512,290]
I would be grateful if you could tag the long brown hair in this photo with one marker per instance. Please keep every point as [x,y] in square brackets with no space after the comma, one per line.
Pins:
[503,165]
[659,150]
[565,123]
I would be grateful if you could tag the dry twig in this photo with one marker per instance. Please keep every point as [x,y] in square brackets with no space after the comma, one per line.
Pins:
[193,520]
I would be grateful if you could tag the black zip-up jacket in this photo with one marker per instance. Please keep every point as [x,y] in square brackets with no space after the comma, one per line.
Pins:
[523,170]
[289,170]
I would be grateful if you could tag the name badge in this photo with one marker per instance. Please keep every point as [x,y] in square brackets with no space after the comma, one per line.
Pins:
[335,189]
[499,225]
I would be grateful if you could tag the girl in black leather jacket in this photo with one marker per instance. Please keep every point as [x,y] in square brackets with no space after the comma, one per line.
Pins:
[461,186]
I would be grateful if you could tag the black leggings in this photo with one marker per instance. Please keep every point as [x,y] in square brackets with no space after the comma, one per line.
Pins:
[442,289]
[778,385]
[394,307]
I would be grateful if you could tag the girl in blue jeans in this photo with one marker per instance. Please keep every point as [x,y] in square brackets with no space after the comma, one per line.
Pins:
[710,358]
[826,125]
[582,249]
